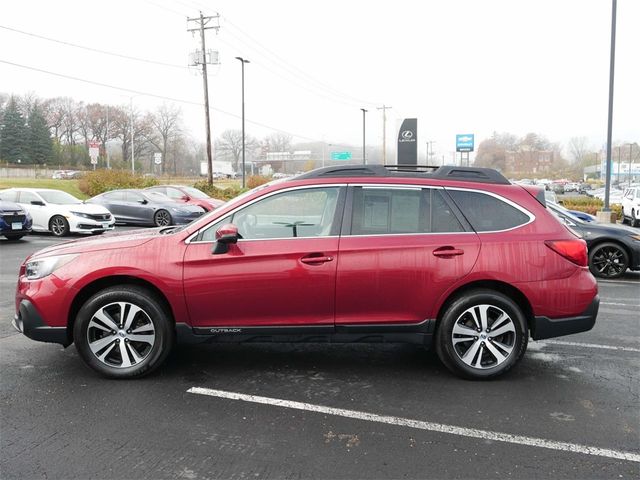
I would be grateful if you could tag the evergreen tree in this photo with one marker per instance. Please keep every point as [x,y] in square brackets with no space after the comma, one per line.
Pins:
[13,134]
[39,144]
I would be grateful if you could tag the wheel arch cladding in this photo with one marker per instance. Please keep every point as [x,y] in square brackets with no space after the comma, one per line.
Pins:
[508,290]
[117,280]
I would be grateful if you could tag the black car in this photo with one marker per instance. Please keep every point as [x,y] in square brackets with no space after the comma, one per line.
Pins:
[612,248]
[146,208]
[15,222]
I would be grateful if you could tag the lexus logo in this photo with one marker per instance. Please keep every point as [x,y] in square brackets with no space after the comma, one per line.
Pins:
[407,134]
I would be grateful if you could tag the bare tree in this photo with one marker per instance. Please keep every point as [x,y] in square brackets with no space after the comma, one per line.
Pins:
[230,143]
[578,148]
[166,122]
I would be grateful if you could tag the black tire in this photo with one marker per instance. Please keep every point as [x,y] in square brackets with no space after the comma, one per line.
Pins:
[162,218]
[59,226]
[14,237]
[608,260]
[486,364]
[635,222]
[142,355]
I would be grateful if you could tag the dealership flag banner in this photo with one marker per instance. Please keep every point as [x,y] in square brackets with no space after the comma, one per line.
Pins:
[408,142]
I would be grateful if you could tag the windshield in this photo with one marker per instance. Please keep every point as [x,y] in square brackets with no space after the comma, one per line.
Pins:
[58,197]
[195,193]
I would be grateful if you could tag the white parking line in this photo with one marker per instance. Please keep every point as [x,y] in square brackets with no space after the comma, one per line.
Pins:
[591,345]
[430,426]
[621,304]
[624,282]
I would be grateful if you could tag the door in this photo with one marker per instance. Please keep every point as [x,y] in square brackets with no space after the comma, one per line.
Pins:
[401,249]
[137,208]
[39,213]
[282,271]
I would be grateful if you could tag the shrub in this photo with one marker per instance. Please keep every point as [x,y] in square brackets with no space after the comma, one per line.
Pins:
[216,192]
[256,180]
[589,205]
[99,181]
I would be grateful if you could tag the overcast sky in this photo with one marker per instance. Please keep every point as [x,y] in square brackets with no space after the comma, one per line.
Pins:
[473,66]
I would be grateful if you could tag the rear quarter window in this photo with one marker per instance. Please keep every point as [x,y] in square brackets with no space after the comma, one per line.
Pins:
[486,213]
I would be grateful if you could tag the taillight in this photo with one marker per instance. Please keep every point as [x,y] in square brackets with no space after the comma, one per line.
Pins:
[573,250]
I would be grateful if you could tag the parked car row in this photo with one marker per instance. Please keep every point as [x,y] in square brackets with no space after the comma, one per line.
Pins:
[58,212]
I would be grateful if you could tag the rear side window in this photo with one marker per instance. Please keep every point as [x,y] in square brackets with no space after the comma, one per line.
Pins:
[388,211]
[114,196]
[486,213]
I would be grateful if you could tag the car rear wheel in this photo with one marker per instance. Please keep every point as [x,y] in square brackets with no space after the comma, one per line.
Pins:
[635,221]
[608,260]
[123,332]
[481,335]
[162,218]
[59,226]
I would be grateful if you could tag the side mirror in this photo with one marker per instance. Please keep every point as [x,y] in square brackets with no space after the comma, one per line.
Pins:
[144,201]
[37,202]
[185,198]
[225,235]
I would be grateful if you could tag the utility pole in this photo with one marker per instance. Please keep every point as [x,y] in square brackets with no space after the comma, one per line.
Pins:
[201,23]
[364,129]
[384,109]
[612,59]
[106,148]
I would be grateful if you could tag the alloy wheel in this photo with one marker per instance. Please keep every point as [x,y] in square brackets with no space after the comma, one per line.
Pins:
[609,261]
[121,335]
[163,218]
[58,227]
[483,336]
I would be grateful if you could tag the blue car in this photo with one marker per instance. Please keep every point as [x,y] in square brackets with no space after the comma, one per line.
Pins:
[585,217]
[15,222]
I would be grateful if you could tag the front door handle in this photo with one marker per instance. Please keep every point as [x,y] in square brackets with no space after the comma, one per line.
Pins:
[447,252]
[316,259]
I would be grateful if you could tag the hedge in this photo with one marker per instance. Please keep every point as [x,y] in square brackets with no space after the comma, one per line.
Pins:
[100,181]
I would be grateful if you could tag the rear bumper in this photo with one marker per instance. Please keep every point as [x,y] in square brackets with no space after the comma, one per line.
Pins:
[29,322]
[544,327]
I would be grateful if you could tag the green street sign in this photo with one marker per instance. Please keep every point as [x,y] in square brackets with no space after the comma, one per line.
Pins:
[340,155]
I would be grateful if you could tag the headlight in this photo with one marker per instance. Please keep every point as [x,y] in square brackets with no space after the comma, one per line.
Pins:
[179,210]
[80,214]
[40,268]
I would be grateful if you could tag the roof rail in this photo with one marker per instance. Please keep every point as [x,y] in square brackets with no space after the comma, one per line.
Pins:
[468,174]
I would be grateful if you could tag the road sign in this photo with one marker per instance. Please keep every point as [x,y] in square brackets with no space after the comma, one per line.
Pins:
[157,158]
[464,142]
[94,152]
[340,155]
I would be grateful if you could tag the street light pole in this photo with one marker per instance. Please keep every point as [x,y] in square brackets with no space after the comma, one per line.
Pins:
[364,129]
[242,62]
[612,59]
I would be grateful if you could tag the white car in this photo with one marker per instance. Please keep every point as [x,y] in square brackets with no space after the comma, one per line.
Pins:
[60,213]
[631,206]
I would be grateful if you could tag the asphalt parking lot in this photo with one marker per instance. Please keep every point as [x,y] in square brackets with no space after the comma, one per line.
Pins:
[569,410]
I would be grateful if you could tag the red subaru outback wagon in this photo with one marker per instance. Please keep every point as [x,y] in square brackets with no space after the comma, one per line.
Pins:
[451,256]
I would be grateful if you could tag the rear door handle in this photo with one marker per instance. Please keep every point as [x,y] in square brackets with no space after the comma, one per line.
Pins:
[316,260]
[447,252]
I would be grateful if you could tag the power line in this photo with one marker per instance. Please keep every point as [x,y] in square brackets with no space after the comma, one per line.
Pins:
[92,49]
[162,97]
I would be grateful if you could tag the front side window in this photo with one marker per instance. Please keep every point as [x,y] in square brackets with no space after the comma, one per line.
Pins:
[293,214]
[486,213]
[58,197]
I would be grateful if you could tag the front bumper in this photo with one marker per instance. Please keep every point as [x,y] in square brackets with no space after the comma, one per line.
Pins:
[29,322]
[544,327]
[86,225]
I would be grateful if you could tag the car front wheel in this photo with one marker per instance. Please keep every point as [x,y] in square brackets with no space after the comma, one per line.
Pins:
[123,332]
[481,335]
[59,226]
[162,218]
